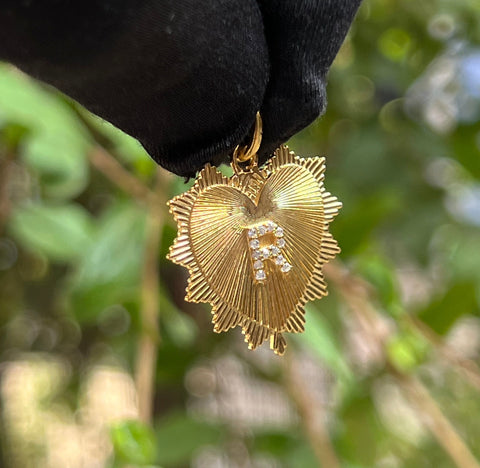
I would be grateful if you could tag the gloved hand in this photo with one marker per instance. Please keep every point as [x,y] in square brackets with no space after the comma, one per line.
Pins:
[184,77]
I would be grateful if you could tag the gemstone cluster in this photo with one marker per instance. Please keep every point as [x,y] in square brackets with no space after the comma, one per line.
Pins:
[261,252]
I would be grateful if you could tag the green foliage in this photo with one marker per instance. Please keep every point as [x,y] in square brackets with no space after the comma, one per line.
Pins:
[457,301]
[56,144]
[406,351]
[134,443]
[109,269]
[320,338]
[179,436]
[362,436]
[402,141]
[61,232]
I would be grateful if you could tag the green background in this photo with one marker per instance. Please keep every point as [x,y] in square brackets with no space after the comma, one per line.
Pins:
[386,375]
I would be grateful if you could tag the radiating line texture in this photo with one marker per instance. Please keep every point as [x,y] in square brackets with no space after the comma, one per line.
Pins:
[255,244]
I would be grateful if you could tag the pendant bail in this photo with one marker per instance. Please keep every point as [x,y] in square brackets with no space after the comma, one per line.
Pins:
[244,154]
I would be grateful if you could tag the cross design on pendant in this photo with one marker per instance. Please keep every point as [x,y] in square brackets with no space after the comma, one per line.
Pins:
[266,242]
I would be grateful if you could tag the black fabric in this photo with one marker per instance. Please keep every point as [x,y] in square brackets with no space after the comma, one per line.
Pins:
[184,77]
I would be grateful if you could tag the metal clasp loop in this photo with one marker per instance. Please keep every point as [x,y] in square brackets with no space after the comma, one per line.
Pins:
[244,154]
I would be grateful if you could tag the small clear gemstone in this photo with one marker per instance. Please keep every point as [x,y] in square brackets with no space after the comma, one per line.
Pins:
[286,267]
[266,252]
[279,260]
[260,275]
[279,232]
[275,250]
[255,244]
[261,230]
[257,255]
[281,243]
[258,265]
[270,226]
[252,233]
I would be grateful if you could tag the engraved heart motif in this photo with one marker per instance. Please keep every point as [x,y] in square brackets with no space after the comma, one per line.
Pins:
[255,244]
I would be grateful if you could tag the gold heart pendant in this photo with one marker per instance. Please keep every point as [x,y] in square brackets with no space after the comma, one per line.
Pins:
[255,243]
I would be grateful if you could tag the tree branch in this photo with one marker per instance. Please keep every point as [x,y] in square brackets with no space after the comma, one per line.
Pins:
[149,339]
[105,163]
[357,295]
[467,367]
[146,361]
[436,421]
[5,171]
[311,416]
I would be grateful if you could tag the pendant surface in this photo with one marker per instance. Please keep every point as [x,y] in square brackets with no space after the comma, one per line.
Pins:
[255,244]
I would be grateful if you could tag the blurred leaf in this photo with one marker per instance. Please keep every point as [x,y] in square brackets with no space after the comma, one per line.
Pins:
[180,327]
[416,227]
[359,218]
[179,436]
[394,43]
[62,233]
[381,274]
[466,148]
[458,248]
[133,442]
[180,185]
[407,350]
[173,362]
[302,456]
[278,444]
[169,233]
[289,447]
[442,313]
[320,338]
[360,440]
[56,144]
[109,270]
[402,354]
[62,166]
[12,135]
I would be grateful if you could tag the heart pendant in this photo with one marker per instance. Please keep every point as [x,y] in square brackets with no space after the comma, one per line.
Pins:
[255,243]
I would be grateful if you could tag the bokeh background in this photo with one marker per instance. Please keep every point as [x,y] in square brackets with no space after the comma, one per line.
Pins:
[102,363]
